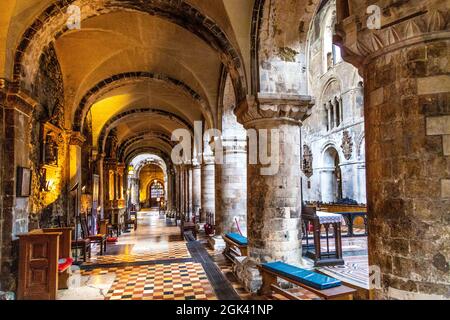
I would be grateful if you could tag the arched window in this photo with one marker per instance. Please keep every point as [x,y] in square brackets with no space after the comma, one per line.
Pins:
[332,53]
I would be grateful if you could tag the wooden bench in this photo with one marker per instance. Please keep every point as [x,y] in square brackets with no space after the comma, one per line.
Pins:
[44,263]
[323,286]
[235,245]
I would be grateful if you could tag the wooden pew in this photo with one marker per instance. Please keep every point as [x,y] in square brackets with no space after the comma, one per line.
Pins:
[333,289]
[233,242]
[40,273]
[65,252]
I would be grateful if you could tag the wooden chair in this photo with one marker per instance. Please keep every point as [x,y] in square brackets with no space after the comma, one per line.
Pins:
[188,226]
[131,220]
[98,238]
[44,263]
[83,244]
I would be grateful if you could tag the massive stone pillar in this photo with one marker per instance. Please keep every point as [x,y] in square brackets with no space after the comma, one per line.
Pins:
[190,191]
[407,120]
[169,191]
[273,196]
[196,188]
[231,188]
[208,184]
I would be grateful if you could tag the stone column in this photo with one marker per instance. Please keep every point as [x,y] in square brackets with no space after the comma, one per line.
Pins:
[329,116]
[208,184]
[99,159]
[407,123]
[274,198]
[196,188]
[190,191]
[179,192]
[231,188]
[76,142]
[168,191]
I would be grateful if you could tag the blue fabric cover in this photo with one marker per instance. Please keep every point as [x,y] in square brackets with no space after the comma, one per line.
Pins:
[309,278]
[241,240]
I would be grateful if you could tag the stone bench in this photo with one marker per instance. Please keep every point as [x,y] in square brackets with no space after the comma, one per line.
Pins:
[236,245]
[323,286]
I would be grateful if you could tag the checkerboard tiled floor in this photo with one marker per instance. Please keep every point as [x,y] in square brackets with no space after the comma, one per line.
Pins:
[174,250]
[176,281]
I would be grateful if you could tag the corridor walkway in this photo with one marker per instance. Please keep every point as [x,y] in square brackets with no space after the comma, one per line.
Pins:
[153,263]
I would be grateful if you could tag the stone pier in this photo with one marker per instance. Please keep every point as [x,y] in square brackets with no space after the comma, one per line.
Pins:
[274,198]
[196,188]
[408,160]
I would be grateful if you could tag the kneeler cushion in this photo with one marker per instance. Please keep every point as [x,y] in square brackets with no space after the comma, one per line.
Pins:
[241,240]
[313,279]
[64,263]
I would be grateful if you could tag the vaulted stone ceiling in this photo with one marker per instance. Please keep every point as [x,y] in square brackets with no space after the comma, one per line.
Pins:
[131,55]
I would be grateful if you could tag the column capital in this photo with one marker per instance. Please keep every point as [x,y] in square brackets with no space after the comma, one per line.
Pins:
[362,43]
[120,168]
[274,107]
[16,99]
[76,139]
[208,158]
[195,164]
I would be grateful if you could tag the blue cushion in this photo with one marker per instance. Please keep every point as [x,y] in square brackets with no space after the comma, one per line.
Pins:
[241,240]
[309,278]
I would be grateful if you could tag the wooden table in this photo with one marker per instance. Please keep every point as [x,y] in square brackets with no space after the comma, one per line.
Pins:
[318,219]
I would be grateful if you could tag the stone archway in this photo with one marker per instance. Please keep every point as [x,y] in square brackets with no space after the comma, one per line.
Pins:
[331,176]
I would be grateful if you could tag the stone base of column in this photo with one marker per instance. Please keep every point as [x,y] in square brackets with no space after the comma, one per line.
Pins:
[247,273]
[216,243]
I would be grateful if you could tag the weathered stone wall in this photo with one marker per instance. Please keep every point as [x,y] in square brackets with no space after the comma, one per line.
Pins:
[282,55]
[17,113]
[408,166]
[2,138]
[48,90]
[339,80]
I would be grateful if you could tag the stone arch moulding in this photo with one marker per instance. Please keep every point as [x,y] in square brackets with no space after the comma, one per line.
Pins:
[140,137]
[148,150]
[326,146]
[360,143]
[141,165]
[116,119]
[328,84]
[123,79]
[258,11]
[41,32]
[133,145]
